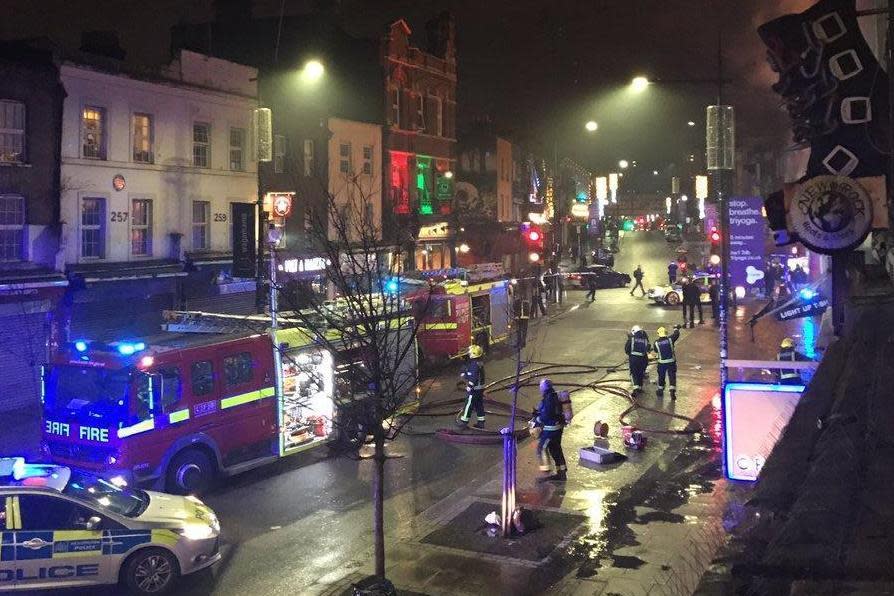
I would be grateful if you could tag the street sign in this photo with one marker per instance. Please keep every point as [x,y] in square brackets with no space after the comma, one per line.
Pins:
[747,232]
[804,309]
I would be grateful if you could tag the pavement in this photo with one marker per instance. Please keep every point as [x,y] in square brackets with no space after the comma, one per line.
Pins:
[648,525]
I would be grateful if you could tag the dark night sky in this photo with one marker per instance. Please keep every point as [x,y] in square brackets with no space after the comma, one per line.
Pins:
[540,68]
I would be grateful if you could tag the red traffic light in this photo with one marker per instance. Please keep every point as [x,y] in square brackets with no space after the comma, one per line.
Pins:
[715,235]
[533,235]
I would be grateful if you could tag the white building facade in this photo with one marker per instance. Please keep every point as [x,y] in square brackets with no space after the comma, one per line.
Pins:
[355,173]
[151,166]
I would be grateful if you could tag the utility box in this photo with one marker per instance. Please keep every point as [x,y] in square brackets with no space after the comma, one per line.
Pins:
[598,455]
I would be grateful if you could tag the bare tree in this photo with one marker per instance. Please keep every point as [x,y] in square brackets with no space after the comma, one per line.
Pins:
[367,322]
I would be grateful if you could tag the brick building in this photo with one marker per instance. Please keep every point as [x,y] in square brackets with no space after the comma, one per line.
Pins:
[420,137]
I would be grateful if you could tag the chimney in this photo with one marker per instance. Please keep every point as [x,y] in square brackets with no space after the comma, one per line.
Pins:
[102,43]
[441,33]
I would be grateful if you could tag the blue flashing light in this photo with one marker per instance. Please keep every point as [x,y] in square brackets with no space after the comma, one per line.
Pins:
[139,346]
[392,286]
[126,349]
[81,345]
[807,293]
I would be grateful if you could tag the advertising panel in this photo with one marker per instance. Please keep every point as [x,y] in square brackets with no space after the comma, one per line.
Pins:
[747,231]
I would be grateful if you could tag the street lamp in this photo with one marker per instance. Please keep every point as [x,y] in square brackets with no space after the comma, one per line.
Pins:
[592,126]
[313,71]
[448,174]
[623,164]
[639,84]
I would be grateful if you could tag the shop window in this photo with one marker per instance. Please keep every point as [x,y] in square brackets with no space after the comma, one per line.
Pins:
[237,369]
[202,377]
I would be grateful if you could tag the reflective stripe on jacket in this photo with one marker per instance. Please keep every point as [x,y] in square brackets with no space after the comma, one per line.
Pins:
[637,346]
[787,354]
[665,349]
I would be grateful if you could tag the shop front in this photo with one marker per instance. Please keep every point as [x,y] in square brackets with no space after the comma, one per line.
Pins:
[433,247]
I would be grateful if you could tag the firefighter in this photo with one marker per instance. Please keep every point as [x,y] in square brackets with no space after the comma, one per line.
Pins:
[549,419]
[473,375]
[667,360]
[637,350]
[787,353]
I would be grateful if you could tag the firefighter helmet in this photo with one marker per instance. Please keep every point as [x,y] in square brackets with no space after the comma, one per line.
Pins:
[787,343]
[662,332]
[475,351]
[545,385]
[635,329]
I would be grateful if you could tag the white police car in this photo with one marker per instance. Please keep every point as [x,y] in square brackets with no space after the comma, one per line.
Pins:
[63,528]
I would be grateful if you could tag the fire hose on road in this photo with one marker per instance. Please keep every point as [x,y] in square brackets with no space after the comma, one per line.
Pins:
[603,386]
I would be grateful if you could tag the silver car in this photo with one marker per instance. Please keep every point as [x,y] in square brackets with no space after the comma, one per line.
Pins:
[64,528]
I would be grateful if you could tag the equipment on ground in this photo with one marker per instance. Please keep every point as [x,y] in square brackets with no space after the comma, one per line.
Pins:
[633,438]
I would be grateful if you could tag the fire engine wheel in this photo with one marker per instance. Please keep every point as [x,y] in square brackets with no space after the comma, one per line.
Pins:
[672,299]
[150,571]
[190,471]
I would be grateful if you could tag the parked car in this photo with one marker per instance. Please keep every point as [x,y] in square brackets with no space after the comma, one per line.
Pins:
[606,277]
[672,234]
[673,295]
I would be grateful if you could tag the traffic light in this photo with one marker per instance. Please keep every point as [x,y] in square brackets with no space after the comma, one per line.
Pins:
[533,237]
[714,239]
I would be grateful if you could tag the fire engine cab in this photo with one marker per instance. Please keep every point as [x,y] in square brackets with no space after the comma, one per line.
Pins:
[454,314]
[175,416]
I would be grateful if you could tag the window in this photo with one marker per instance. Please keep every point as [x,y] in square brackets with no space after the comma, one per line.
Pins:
[201,216]
[202,377]
[171,388]
[308,157]
[237,149]
[279,154]
[201,145]
[45,512]
[12,131]
[344,158]
[93,142]
[439,116]
[237,369]
[395,106]
[420,112]
[93,234]
[12,228]
[141,227]
[367,160]
[142,138]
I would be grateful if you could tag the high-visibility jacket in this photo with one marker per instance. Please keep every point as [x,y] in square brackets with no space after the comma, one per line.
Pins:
[637,346]
[664,347]
[473,375]
[788,355]
[550,413]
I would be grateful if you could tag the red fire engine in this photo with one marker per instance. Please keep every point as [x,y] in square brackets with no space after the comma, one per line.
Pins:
[176,417]
[456,314]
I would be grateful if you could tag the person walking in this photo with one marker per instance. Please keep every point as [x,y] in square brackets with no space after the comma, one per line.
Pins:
[637,350]
[692,298]
[591,285]
[549,420]
[672,272]
[473,375]
[714,295]
[667,360]
[638,277]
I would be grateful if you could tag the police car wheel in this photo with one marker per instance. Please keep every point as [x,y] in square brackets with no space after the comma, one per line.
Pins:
[190,471]
[672,299]
[150,571]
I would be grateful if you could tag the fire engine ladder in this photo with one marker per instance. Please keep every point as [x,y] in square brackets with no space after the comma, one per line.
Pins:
[195,321]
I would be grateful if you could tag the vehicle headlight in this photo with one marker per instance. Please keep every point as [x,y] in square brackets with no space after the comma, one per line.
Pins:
[197,531]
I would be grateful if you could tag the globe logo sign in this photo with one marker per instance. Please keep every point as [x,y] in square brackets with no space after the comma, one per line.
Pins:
[831,213]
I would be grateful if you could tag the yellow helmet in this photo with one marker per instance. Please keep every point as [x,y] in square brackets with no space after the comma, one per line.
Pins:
[662,332]
[475,351]
[787,343]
